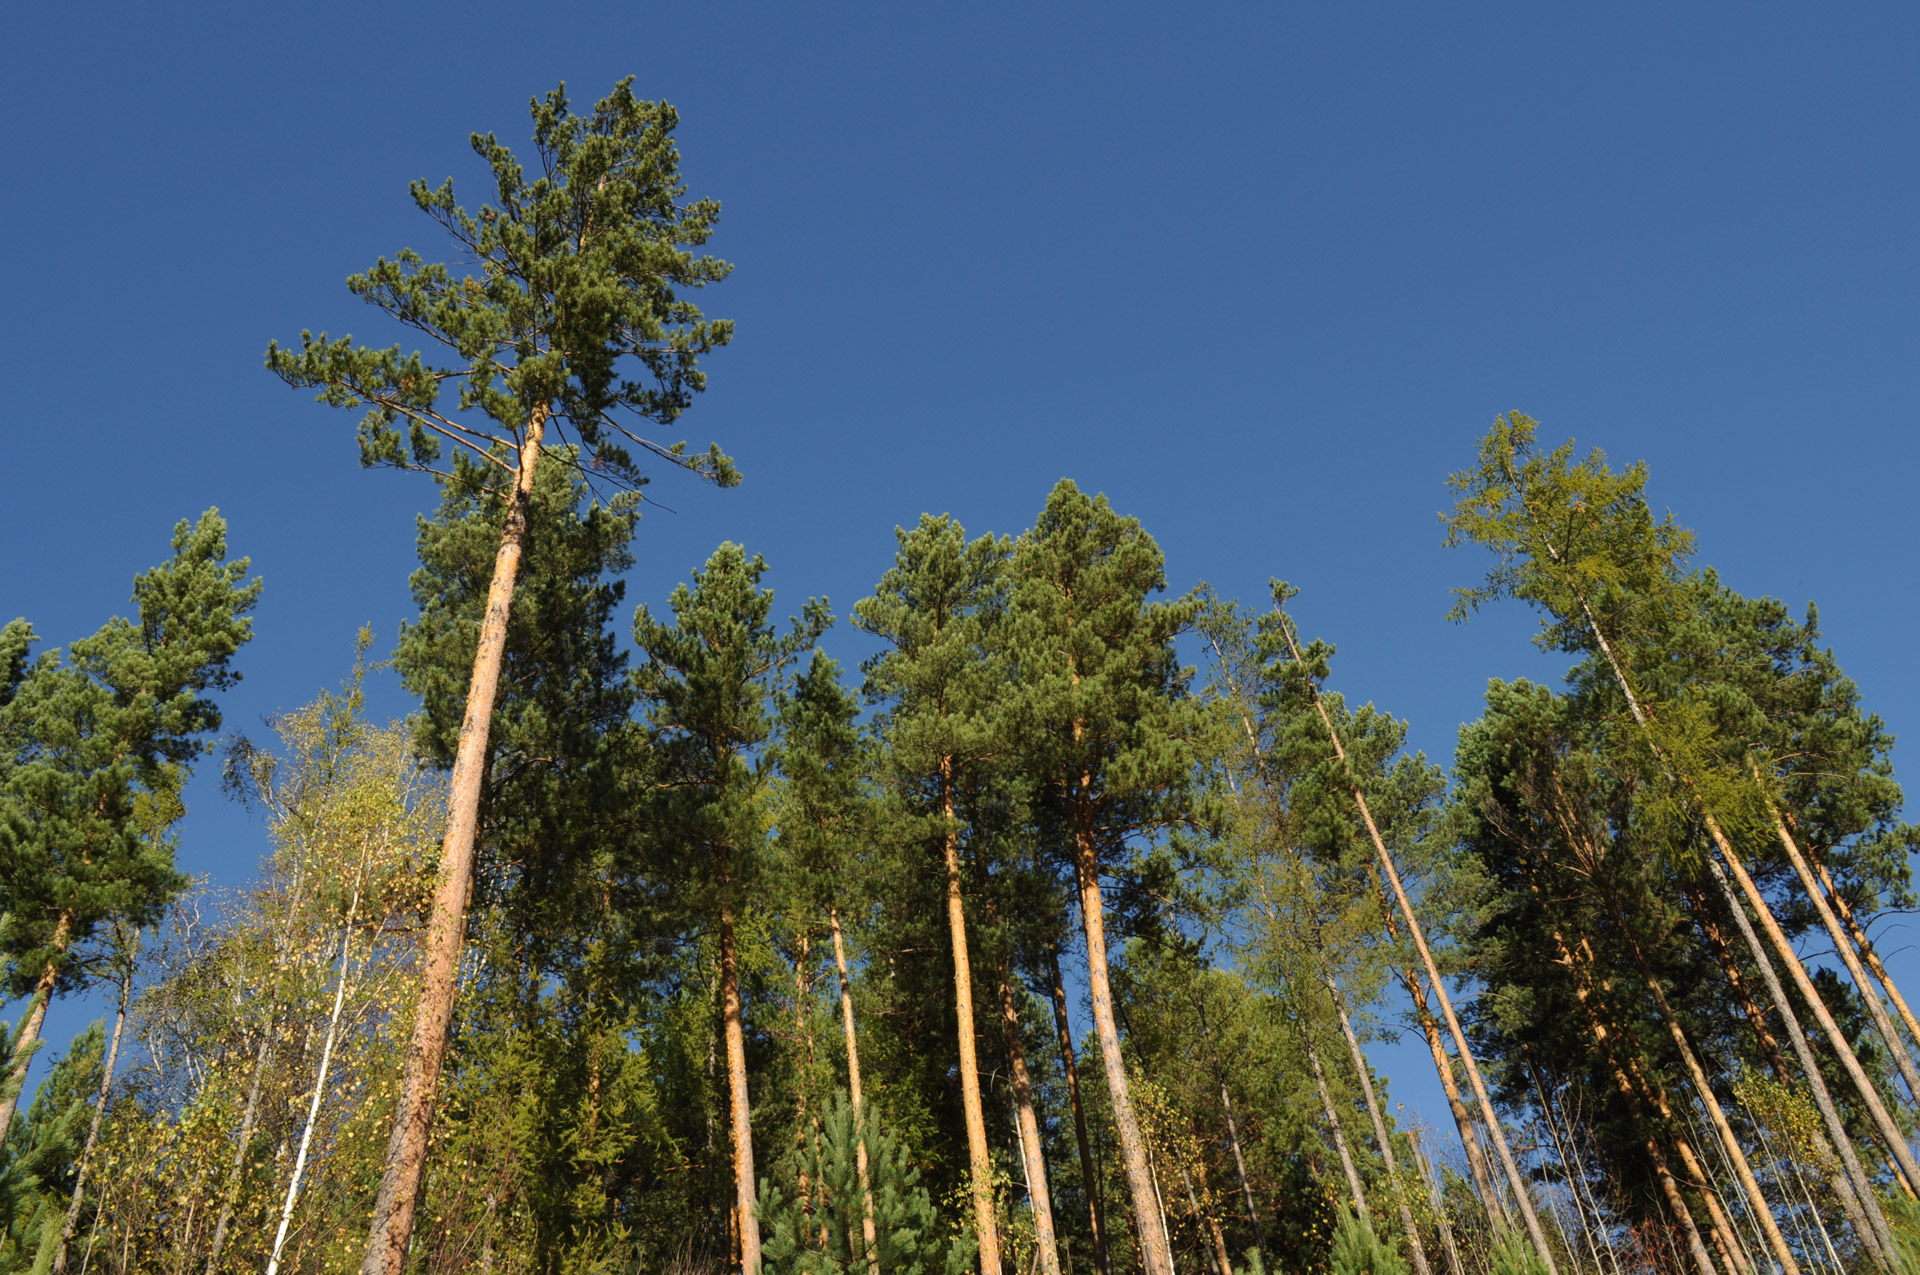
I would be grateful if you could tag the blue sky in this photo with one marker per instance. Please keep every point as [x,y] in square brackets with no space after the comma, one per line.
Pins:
[1261,274]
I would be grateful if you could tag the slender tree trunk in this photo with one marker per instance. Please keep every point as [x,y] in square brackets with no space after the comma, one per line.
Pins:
[1836,1039]
[1861,979]
[1462,1119]
[1096,1212]
[319,1083]
[29,1034]
[867,1232]
[1223,1261]
[1333,1123]
[1438,1202]
[1418,934]
[1662,1171]
[803,1094]
[1155,1255]
[1869,1223]
[1630,1095]
[249,1116]
[1380,1136]
[1761,1211]
[1867,954]
[1737,979]
[1233,1129]
[93,1125]
[1030,1148]
[1844,1145]
[739,1108]
[392,1227]
[979,1159]
[1240,1167]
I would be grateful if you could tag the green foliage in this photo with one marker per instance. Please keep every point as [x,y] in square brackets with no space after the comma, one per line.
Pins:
[1106,724]
[708,680]
[38,1163]
[1514,1254]
[823,1233]
[571,311]
[94,749]
[1358,1251]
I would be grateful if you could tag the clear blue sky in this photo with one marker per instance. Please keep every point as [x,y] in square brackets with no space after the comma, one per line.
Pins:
[1262,275]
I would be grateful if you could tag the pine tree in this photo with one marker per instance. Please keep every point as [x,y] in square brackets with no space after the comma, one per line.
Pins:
[935,608]
[38,1169]
[1579,542]
[1358,1251]
[826,826]
[571,322]
[1107,734]
[90,747]
[708,681]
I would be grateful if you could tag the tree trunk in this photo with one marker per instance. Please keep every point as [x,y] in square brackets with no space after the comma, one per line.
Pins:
[1756,1200]
[1223,1260]
[1333,1123]
[1415,931]
[29,1034]
[867,1231]
[1737,979]
[1372,1101]
[1030,1150]
[1096,1212]
[1630,1094]
[739,1108]
[1867,954]
[1861,979]
[1462,1119]
[1869,1223]
[249,1116]
[1454,1266]
[392,1227]
[979,1158]
[1836,1039]
[319,1084]
[1155,1256]
[1844,1145]
[93,1125]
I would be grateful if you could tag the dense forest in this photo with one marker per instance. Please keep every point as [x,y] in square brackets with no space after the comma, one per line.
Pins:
[1051,939]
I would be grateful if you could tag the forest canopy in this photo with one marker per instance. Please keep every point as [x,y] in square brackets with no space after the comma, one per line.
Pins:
[1059,935]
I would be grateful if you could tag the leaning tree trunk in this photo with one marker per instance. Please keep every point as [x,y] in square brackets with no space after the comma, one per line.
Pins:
[1462,1118]
[1867,954]
[1156,1258]
[1233,1129]
[740,1110]
[1756,1200]
[1737,980]
[1859,1198]
[1861,979]
[979,1158]
[1439,1205]
[249,1117]
[93,1125]
[1333,1124]
[1030,1148]
[1223,1261]
[1096,1211]
[30,1029]
[393,1211]
[1359,1057]
[867,1232]
[1869,1096]
[1418,934]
